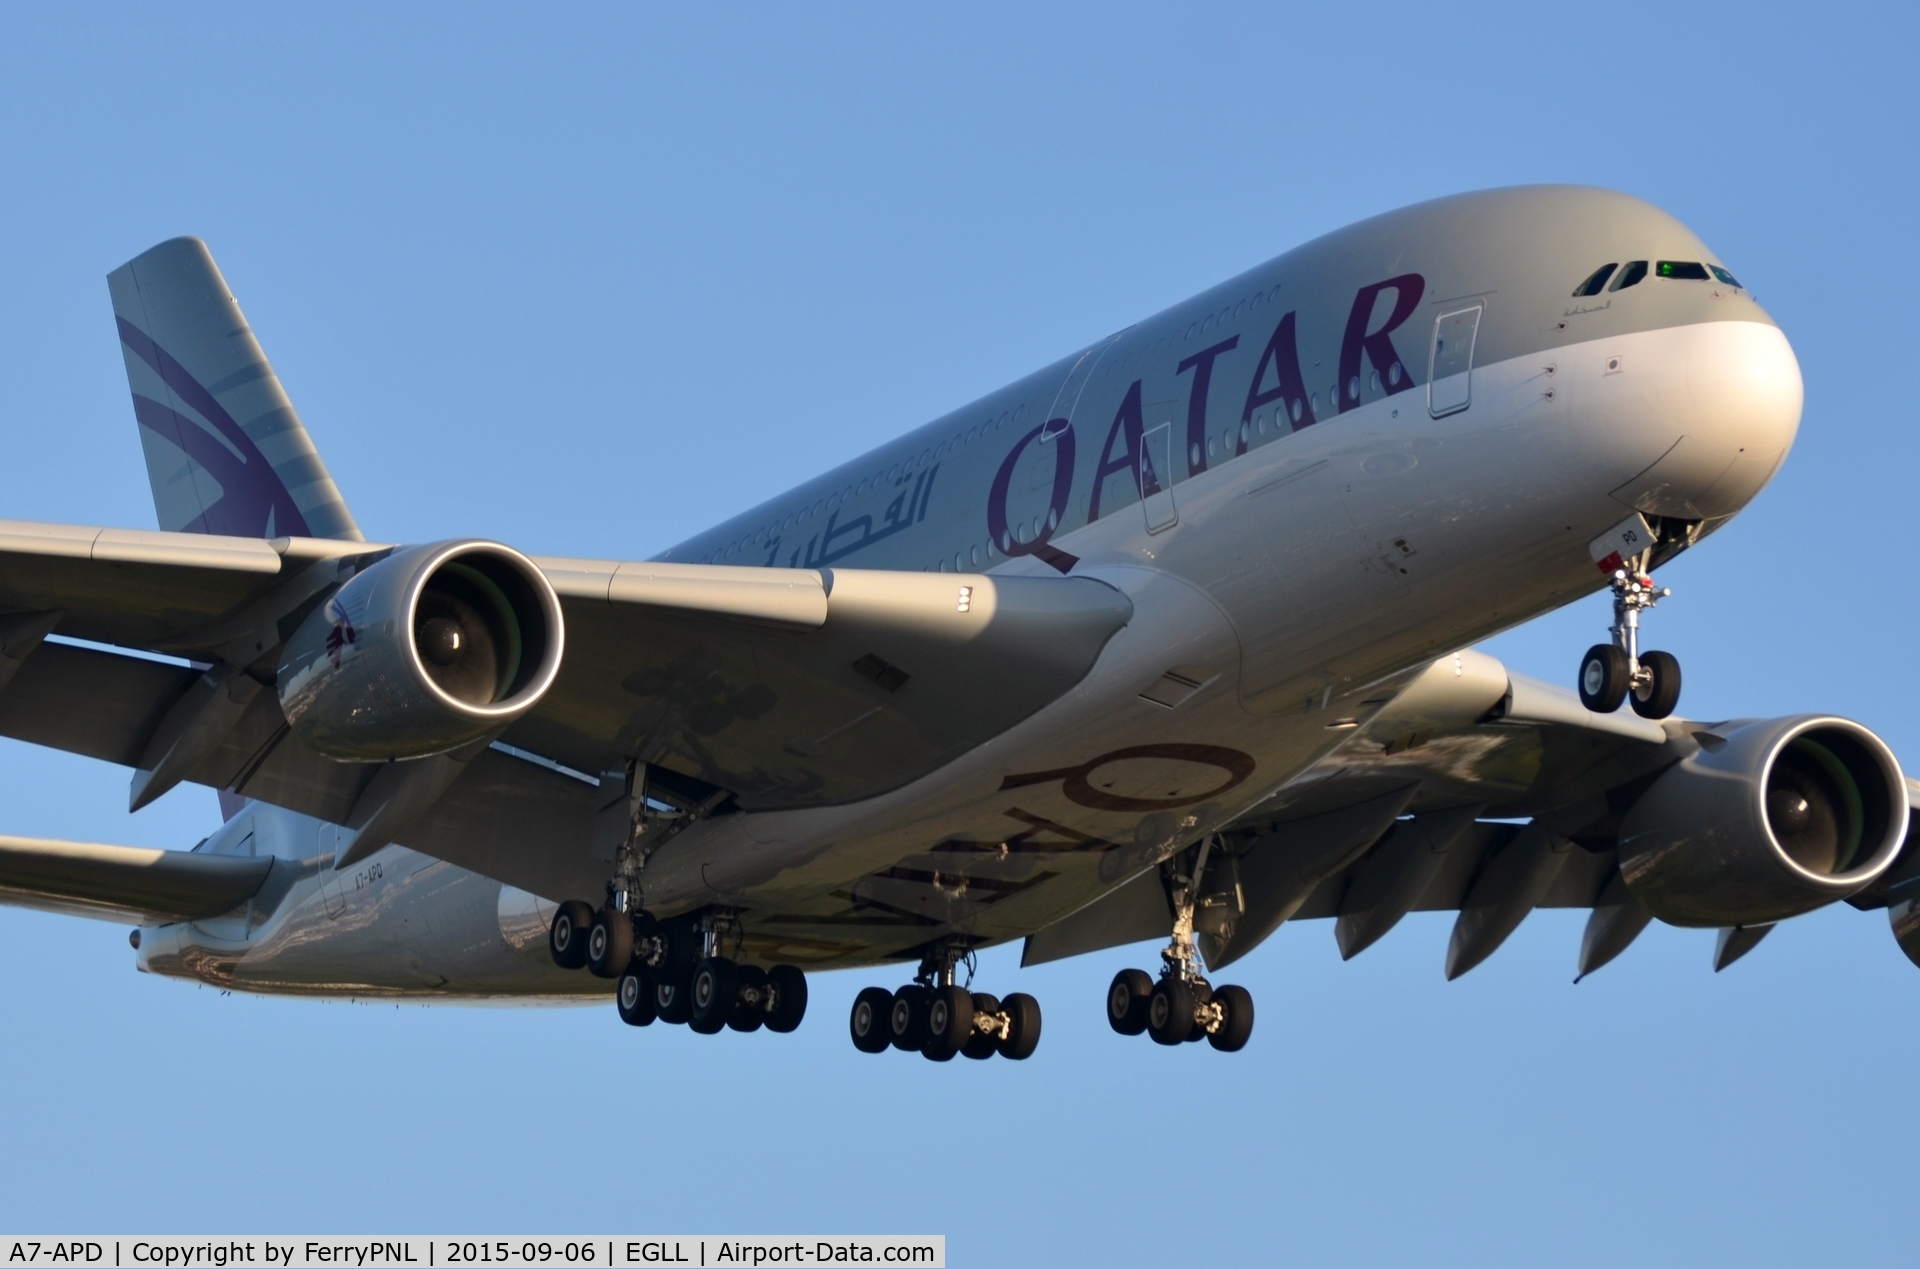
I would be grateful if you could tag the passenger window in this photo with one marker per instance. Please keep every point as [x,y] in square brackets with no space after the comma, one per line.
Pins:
[1684,270]
[1726,277]
[1595,280]
[1630,276]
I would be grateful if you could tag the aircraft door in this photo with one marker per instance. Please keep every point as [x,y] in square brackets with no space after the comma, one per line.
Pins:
[1156,478]
[1450,367]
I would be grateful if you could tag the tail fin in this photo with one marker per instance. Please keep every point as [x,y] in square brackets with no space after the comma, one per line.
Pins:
[196,370]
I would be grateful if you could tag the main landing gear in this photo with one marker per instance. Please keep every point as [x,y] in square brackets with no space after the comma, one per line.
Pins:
[1183,1006]
[673,971]
[1617,671]
[939,1019]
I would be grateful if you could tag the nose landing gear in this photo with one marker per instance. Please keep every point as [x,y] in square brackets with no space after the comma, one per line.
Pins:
[1614,672]
[1183,1006]
[939,1019]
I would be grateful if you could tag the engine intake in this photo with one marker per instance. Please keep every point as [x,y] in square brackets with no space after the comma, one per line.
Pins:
[1770,820]
[429,649]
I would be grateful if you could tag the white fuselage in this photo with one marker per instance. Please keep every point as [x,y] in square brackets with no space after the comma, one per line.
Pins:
[1297,588]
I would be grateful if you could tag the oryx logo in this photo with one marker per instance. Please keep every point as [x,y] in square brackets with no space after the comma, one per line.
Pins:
[342,635]
[1146,777]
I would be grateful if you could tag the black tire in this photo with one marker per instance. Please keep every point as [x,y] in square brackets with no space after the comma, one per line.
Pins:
[1127,1001]
[981,1046]
[567,936]
[1170,1011]
[1657,697]
[789,987]
[1236,1022]
[949,1022]
[715,989]
[609,944]
[1023,1026]
[868,1021]
[907,1018]
[672,999]
[749,1011]
[678,953]
[1605,677]
[1202,997]
[937,1055]
[634,999]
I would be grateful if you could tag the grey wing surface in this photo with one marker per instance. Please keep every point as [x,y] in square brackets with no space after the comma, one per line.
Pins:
[1489,814]
[125,883]
[788,688]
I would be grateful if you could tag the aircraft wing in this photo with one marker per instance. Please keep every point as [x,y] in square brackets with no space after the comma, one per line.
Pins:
[1489,817]
[125,883]
[785,687]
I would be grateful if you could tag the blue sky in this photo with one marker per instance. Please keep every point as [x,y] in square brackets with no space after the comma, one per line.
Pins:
[589,279]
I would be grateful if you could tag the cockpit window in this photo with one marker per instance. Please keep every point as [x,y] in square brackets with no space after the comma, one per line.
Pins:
[1630,276]
[1595,280]
[1726,277]
[1685,270]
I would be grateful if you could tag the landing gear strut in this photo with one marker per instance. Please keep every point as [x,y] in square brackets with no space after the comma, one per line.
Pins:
[1617,671]
[1183,1005]
[938,1018]
[672,971]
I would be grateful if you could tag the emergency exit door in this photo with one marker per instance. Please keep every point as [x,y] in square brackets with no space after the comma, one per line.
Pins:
[1450,368]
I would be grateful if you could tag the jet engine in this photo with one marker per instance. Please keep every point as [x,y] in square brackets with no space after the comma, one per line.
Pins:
[429,649]
[1768,820]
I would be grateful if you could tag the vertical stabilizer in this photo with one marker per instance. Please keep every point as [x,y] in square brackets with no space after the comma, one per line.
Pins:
[226,452]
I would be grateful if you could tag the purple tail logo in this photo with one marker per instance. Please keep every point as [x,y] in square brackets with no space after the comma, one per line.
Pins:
[254,501]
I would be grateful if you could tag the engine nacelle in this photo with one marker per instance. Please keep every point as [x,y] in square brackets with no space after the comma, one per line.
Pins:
[1773,819]
[431,648]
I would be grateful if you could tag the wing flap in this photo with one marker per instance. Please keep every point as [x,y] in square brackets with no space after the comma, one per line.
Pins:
[85,701]
[120,883]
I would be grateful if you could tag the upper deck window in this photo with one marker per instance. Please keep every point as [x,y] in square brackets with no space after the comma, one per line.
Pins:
[1595,280]
[1685,270]
[1632,275]
[1726,277]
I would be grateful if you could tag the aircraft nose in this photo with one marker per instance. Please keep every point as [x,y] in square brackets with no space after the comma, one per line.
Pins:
[1736,407]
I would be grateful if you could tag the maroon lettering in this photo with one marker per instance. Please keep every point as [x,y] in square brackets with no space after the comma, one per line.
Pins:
[1129,424]
[1201,363]
[997,529]
[1290,390]
[1394,375]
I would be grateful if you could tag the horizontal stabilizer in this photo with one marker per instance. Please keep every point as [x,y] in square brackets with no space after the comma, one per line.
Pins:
[125,883]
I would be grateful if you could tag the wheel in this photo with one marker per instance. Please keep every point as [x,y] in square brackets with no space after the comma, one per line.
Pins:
[672,999]
[868,1022]
[937,1055]
[949,1022]
[567,936]
[750,1004]
[1236,1022]
[1604,678]
[1127,1001]
[1023,1026]
[1202,996]
[1170,1011]
[1661,692]
[980,1046]
[634,998]
[715,989]
[789,987]
[678,953]
[609,944]
[907,1019]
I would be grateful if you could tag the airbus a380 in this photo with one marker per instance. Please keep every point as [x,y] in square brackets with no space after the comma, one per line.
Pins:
[1169,640]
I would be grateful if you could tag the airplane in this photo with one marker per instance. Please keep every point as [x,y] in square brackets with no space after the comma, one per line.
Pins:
[1169,640]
